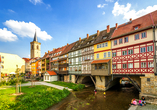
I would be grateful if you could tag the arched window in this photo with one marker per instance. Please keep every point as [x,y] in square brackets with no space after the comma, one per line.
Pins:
[32,46]
[37,47]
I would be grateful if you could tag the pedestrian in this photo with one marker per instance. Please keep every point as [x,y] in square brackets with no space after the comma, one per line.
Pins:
[104,95]
[140,103]
[133,102]
[95,91]
[143,100]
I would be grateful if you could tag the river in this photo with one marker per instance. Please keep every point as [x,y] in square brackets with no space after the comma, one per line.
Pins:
[117,98]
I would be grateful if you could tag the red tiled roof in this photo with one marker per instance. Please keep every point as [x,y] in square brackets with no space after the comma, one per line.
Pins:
[143,22]
[26,59]
[0,58]
[51,72]
[54,60]
[100,61]
[68,48]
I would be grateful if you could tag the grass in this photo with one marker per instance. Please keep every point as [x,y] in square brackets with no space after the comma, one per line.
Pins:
[34,98]
[73,86]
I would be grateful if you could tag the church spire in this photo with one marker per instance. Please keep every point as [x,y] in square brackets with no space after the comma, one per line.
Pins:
[35,37]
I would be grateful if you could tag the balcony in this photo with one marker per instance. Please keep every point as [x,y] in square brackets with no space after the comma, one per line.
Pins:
[101,72]
[63,72]
[63,65]
[54,66]
[87,60]
[61,59]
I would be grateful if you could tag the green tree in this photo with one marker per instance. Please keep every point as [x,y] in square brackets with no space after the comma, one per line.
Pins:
[18,81]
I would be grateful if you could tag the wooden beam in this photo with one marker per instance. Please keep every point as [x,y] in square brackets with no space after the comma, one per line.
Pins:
[134,84]
[93,80]
[100,78]
[76,79]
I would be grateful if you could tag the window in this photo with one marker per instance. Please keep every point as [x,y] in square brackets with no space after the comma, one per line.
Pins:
[106,44]
[79,59]
[37,47]
[143,35]
[143,65]
[103,45]
[83,58]
[130,52]
[2,66]
[2,61]
[91,56]
[108,54]
[125,52]
[114,66]
[2,56]
[115,42]
[136,27]
[126,39]
[97,56]
[114,54]
[98,46]
[130,65]
[104,37]
[124,66]
[149,48]
[137,37]
[105,55]
[143,49]
[150,64]
[120,41]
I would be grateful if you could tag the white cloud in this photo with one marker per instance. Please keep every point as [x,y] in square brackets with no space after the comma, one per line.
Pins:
[6,35]
[48,6]
[11,11]
[24,29]
[101,6]
[109,0]
[128,13]
[35,1]
[103,13]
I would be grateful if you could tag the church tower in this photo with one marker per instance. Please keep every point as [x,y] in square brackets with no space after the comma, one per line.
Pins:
[35,47]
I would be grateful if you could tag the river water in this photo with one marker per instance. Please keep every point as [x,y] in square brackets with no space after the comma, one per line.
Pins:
[117,98]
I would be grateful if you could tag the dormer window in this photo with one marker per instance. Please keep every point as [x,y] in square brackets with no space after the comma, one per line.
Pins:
[136,28]
[93,37]
[87,42]
[82,42]
[92,41]
[104,37]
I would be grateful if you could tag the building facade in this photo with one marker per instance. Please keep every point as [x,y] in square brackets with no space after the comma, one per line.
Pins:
[9,63]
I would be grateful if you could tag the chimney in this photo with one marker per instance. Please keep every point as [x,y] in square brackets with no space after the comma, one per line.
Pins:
[48,51]
[54,49]
[45,53]
[130,19]
[116,25]
[67,44]
[80,39]
[87,36]
[108,28]
[98,32]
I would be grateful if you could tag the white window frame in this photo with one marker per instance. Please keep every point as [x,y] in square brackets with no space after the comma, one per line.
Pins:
[142,49]
[109,54]
[130,65]
[125,52]
[97,56]
[114,54]
[143,34]
[149,48]
[143,65]
[150,64]
[130,52]
[104,54]
[124,66]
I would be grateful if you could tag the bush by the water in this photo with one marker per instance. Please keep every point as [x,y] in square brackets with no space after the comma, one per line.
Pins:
[78,87]
[37,98]
[73,86]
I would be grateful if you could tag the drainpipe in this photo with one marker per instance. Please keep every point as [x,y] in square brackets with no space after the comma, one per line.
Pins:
[154,41]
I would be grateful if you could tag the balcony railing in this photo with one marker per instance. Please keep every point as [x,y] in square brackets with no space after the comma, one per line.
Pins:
[63,65]
[63,72]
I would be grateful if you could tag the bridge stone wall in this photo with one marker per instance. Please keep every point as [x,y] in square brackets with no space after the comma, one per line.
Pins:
[148,84]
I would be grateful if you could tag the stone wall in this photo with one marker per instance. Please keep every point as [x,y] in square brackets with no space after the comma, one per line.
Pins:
[149,84]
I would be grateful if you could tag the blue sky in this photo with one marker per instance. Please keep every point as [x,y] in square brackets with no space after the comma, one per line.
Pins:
[59,22]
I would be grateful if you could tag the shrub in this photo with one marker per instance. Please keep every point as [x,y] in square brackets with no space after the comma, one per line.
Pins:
[78,87]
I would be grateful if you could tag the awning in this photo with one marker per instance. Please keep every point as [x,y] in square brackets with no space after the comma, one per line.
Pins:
[100,61]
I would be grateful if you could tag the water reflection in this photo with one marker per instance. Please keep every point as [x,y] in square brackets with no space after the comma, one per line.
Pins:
[117,98]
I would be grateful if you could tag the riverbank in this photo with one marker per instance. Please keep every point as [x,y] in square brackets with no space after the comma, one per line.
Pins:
[147,107]
[37,97]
